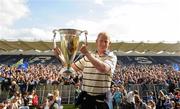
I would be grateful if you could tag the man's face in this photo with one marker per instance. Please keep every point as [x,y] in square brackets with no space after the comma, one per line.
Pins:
[102,43]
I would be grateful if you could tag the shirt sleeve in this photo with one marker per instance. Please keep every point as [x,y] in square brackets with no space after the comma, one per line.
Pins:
[111,61]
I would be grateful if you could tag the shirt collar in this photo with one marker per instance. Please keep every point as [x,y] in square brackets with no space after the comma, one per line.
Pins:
[106,52]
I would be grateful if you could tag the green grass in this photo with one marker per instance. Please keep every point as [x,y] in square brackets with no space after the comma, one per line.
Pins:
[69,106]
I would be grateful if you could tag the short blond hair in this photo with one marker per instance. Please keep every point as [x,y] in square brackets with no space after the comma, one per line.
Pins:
[103,34]
[56,93]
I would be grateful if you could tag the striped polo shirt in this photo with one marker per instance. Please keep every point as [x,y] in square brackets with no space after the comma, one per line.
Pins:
[94,81]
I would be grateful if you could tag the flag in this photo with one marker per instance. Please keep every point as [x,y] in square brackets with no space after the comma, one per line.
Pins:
[176,67]
[20,62]
[24,66]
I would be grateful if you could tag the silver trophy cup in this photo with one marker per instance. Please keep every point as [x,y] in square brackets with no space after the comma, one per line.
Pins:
[69,44]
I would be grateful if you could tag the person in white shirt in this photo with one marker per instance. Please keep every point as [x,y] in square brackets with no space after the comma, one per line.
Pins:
[130,99]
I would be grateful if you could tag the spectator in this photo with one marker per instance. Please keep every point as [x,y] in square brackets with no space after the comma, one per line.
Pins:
[13,89]
[117,97]
[151,104]
[161,100]
[139,104]
[35,100]
[130,99]
[57,98]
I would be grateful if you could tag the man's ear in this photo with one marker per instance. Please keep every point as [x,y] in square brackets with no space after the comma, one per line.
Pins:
[96,40]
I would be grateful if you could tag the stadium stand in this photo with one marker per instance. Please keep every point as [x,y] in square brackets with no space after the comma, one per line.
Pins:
[149,59]
[149,72]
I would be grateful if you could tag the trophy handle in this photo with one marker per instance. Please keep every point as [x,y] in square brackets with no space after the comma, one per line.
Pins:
[54,38]
[85,34]
[58,50]
[85,42]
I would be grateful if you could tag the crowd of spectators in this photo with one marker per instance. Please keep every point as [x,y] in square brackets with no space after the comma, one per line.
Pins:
[147,74]
[36,74]
[18,82]
[122,99]
[19,85]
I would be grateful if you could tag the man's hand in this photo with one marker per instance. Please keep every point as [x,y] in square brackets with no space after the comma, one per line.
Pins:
[58,54]
[57,51]
[84,49]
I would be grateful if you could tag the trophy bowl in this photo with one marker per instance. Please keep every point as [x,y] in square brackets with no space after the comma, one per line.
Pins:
[69,44]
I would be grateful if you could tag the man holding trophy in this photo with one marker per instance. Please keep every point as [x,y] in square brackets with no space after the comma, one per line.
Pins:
[97,69]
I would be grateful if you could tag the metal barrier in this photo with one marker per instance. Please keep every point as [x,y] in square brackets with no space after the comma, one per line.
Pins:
[67,92]
[145,89]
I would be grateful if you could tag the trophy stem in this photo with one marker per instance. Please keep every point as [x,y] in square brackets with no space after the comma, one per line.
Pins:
[68,70]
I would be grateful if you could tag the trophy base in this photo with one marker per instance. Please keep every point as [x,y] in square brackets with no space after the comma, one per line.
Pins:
[67,72]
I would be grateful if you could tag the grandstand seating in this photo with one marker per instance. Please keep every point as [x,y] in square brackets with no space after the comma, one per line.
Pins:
[123,60]
[46,59]
[149,59]
[32,59]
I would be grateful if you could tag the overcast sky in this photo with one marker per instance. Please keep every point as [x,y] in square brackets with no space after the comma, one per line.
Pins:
[124,20]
